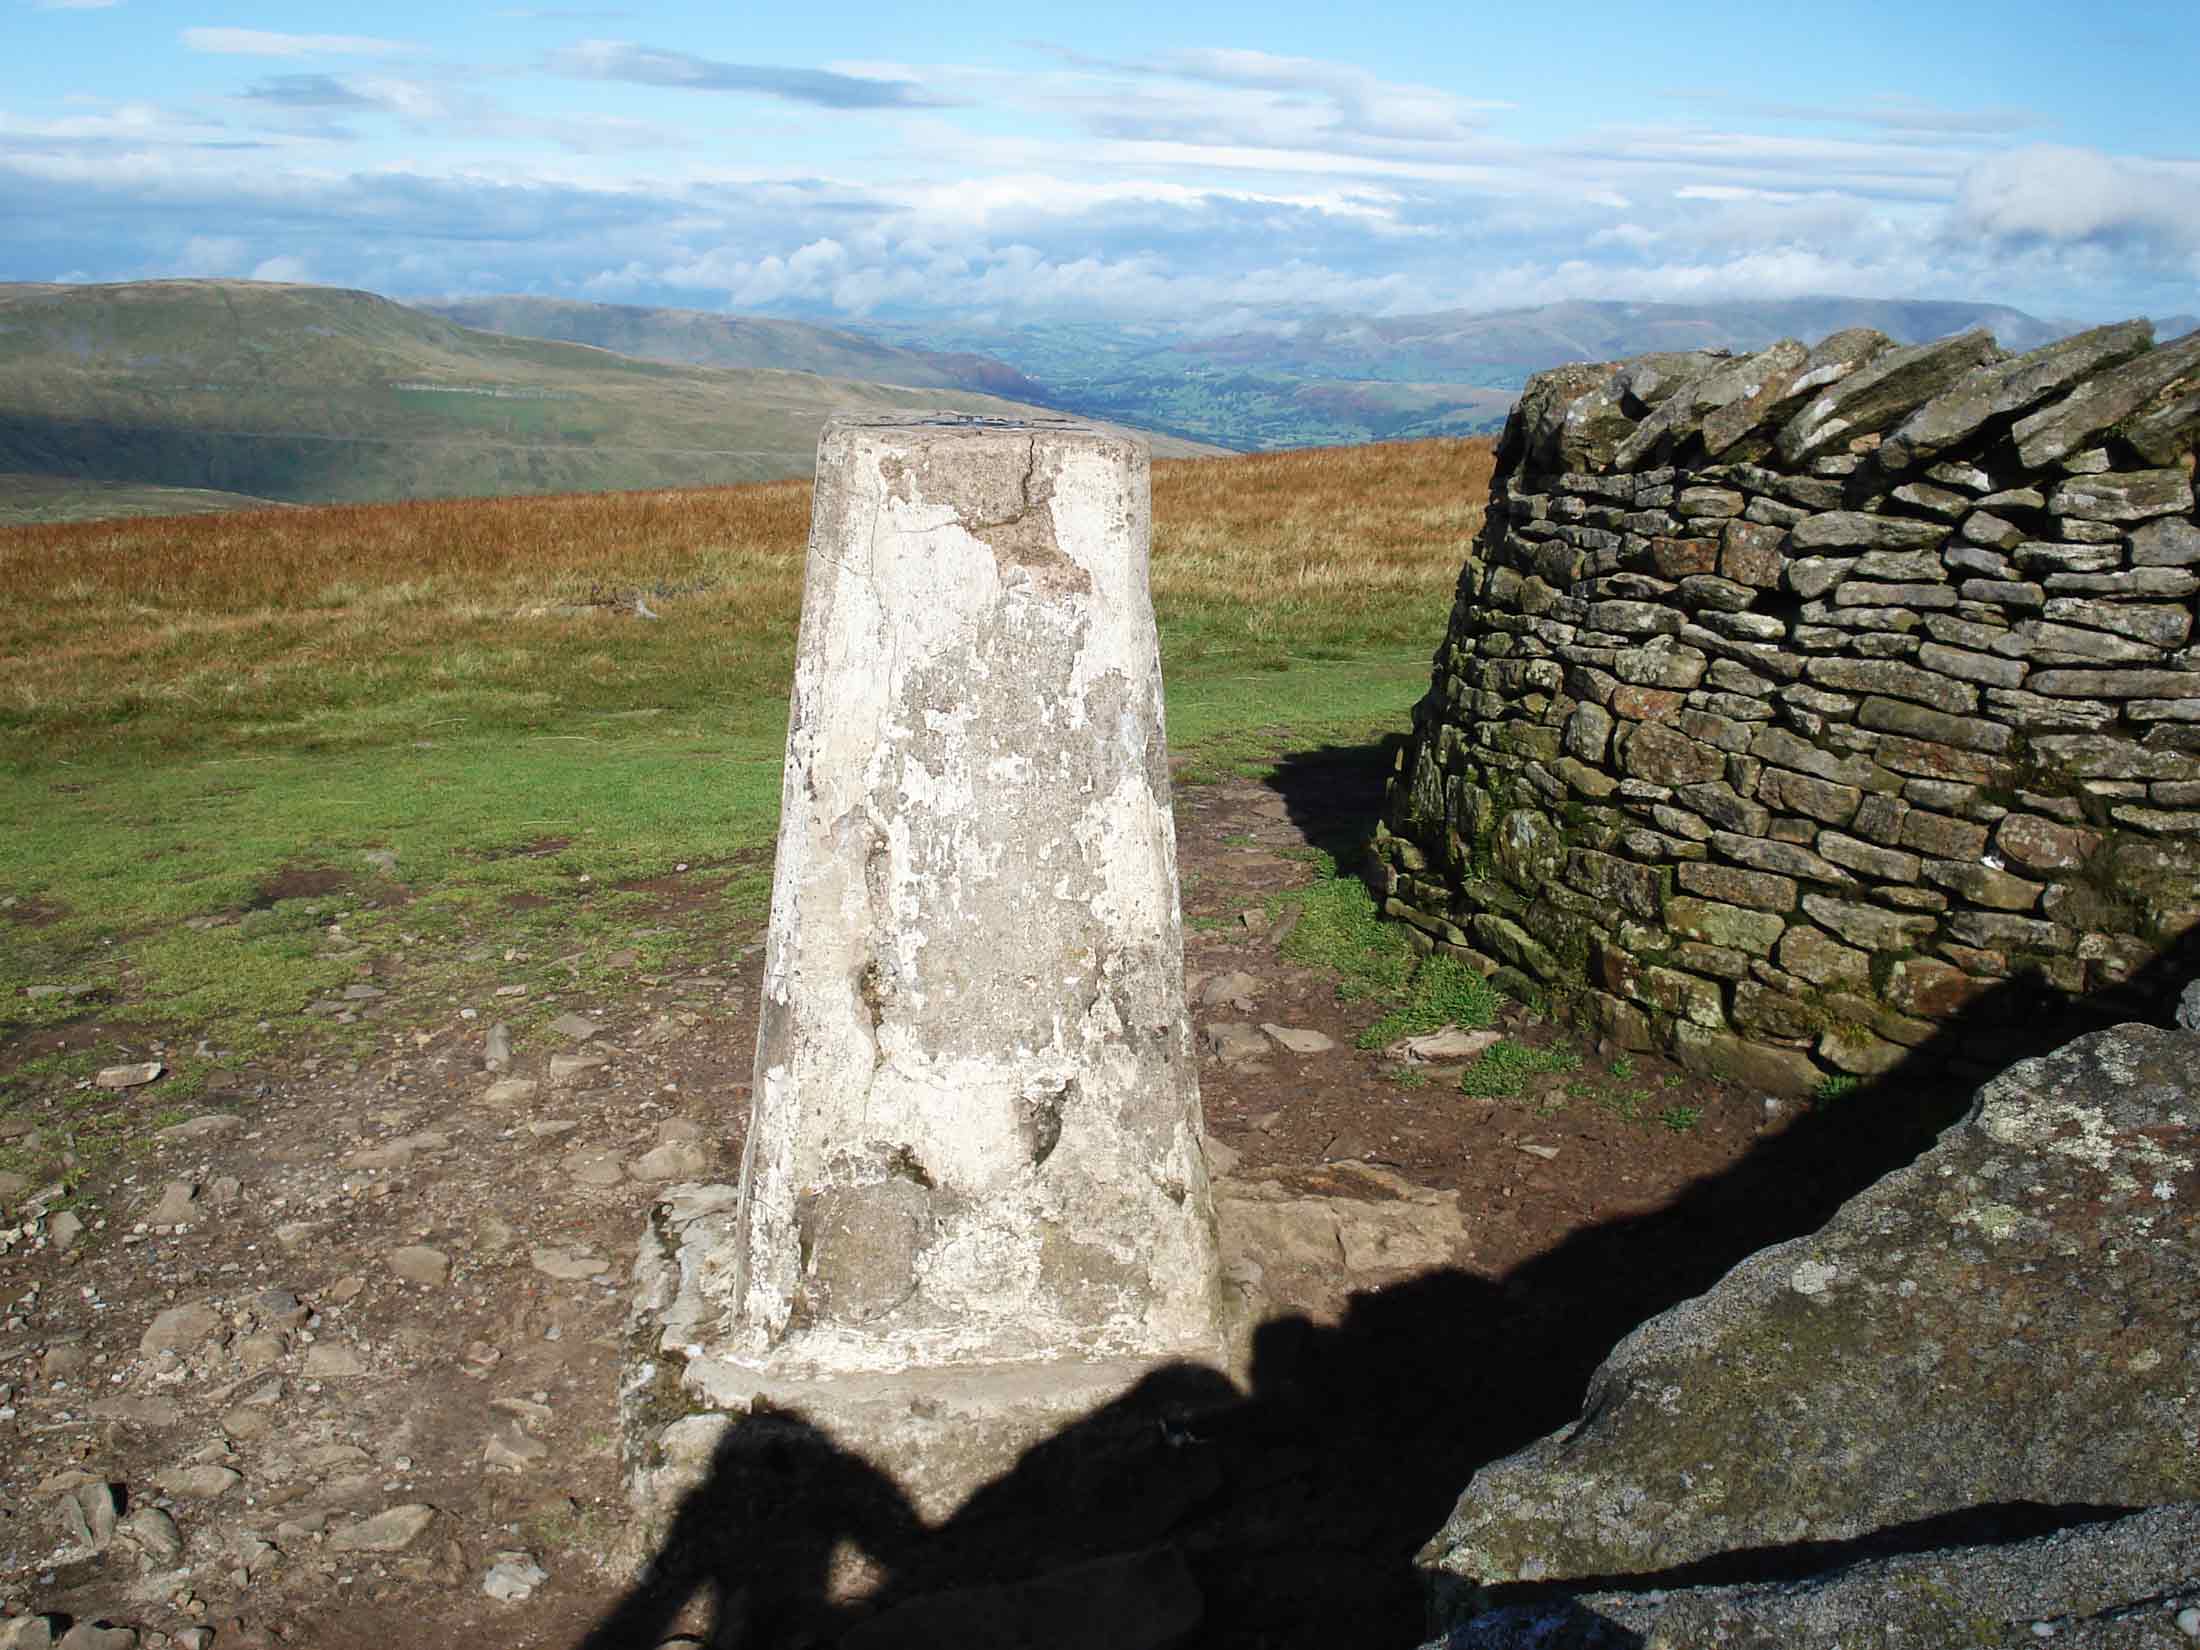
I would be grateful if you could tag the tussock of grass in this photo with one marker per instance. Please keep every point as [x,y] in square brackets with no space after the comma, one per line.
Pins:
[1339,929]
[1504,1069]
[1443,991]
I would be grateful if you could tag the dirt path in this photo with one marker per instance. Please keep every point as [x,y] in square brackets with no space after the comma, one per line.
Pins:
[402,1286]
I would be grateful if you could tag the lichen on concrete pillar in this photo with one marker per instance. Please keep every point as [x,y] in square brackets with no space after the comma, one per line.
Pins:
[975,1138]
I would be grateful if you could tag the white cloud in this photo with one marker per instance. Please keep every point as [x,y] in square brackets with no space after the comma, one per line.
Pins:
[1732,192]
[652,66]
[1359,101]
[1634,236]
[1017,196]
[124,122]
[212,255]
[284,268]
[262,43]
[2047,192]
[1177,189]
[1889,111]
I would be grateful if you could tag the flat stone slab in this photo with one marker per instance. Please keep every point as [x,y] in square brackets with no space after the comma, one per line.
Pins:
[939,1434]
[1445,1043]
[1233,1041]
[1309,1240]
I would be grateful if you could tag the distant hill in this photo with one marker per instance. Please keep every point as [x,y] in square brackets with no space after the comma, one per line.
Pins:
[1508,344]
[703,338]
[1308,378]
[28,498]
[317,394]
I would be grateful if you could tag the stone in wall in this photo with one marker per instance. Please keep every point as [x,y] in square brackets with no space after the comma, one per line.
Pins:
[1867,670]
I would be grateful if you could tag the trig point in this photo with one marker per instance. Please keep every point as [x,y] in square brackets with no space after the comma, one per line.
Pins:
[973,1204]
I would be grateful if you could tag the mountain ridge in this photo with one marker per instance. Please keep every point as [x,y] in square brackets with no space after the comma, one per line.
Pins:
[1320,376]
[708,338]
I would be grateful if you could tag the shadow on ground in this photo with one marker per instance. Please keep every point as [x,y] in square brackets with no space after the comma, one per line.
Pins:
[1287,1517]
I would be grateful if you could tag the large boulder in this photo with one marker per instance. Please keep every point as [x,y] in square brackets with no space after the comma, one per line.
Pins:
[2132,1581]
[2012,1319]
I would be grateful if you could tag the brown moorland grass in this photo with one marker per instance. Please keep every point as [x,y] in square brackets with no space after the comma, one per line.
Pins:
[363,624]
[1324,549]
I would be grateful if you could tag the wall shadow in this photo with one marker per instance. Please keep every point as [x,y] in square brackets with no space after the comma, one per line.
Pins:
[1287,1517]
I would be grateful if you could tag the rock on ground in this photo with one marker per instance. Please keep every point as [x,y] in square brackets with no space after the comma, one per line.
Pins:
[182,1327]
[2011,1319]
[391,1531]
[2128,1582]
[417,1263]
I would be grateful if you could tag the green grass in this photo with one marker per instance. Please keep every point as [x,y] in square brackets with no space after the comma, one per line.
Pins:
[1340,929]
[1443,991]
[205,727]
[1623,1103]
[1504,1069]
[129,854]
[493,840]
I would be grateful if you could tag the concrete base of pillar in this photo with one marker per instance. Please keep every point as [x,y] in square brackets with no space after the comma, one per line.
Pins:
[939,1435]
[913,1445]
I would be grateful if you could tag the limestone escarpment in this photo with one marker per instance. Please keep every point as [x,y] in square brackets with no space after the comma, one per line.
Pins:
[1791,703]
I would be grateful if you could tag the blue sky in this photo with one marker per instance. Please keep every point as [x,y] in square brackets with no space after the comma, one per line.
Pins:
[1197,163]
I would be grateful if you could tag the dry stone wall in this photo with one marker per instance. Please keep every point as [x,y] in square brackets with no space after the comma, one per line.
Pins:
[1793,702]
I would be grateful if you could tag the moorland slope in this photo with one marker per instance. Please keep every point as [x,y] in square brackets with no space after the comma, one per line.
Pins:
[316,394]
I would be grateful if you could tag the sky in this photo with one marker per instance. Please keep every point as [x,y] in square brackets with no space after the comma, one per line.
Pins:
[1203,165]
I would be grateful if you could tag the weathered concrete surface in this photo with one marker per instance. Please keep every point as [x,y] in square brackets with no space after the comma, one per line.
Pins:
[976,1126]
[2132,1581]
[939,1432]
[2014,1318]
[973,1203]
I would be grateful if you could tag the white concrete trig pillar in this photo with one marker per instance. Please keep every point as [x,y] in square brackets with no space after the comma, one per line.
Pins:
[975,1140]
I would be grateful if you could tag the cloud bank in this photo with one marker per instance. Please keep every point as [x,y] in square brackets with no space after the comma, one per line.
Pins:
[1179,186]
